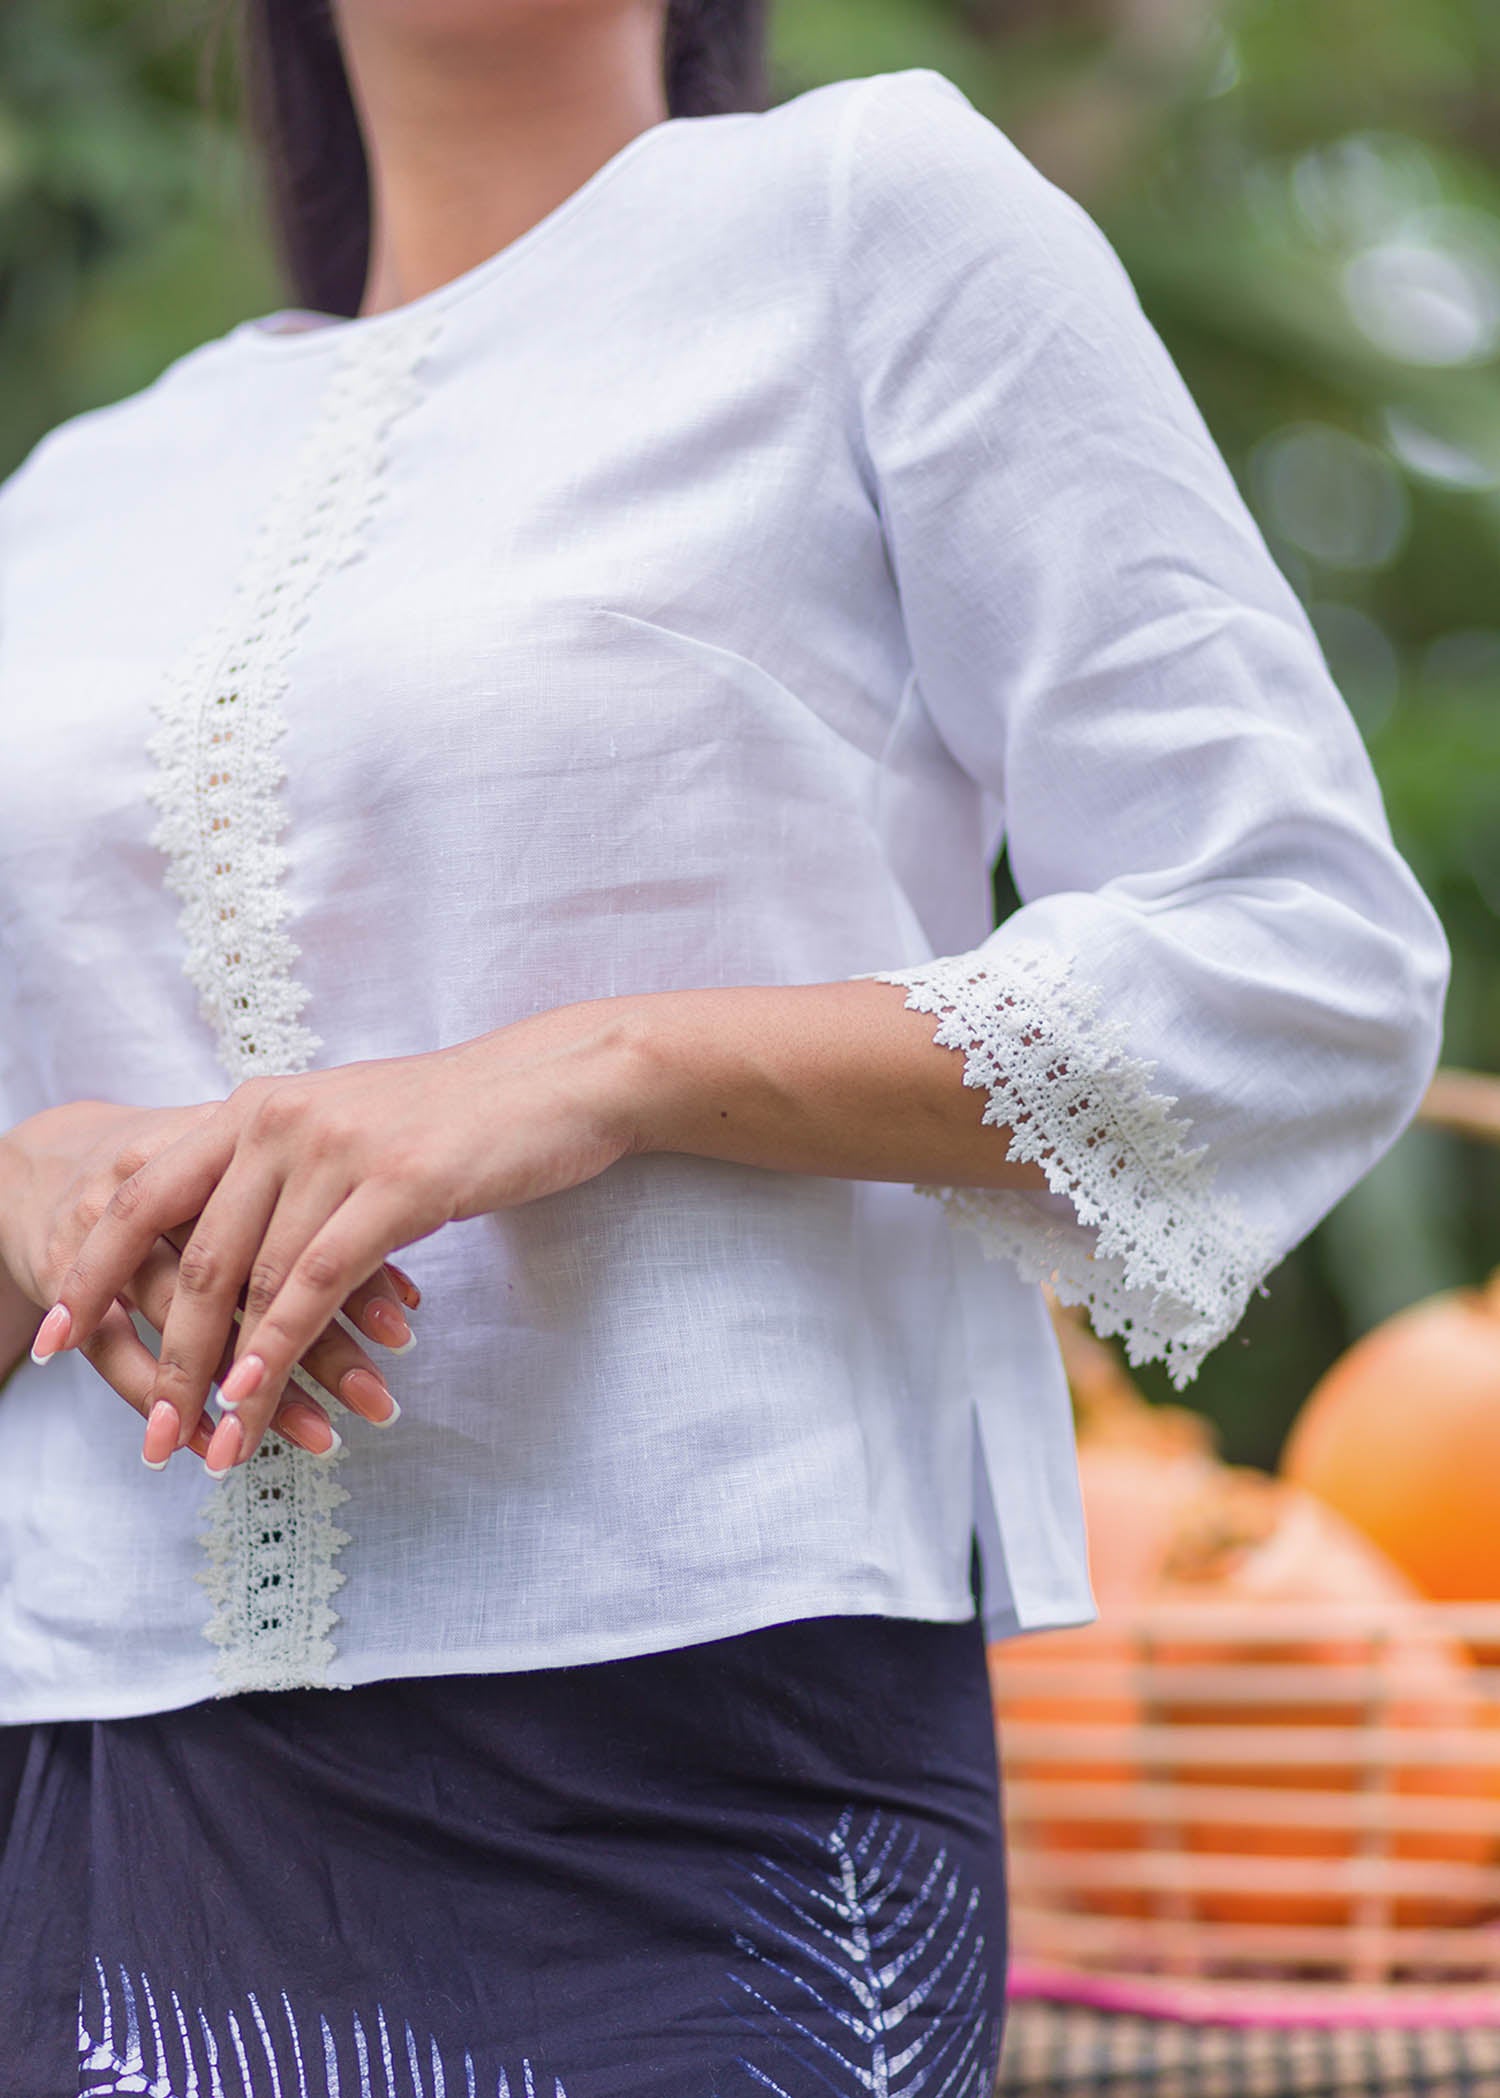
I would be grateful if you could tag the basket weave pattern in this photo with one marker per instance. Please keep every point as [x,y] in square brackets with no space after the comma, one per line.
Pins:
[1265,1815]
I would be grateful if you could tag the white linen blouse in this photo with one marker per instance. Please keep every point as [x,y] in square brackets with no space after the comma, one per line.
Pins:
[696,592]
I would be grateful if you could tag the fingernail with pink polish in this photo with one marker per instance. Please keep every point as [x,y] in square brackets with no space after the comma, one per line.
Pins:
[242,1380]
[163,1430]
[309,1428]
[410,1295]
[388,1326]
[228,1440]
[364,1393]
[51,1333]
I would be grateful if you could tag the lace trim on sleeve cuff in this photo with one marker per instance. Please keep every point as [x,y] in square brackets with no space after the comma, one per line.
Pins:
[1152,1251]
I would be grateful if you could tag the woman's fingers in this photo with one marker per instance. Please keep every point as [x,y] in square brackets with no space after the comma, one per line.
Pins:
[212,1265]
[406,1289]
[301,1205]
[229,1251]
[272,1164]
[300,1294]
[294,1220]
[379,1307]
[335,1366]
[128,1366]
[298,1419]
[168,1190]
[196,1351]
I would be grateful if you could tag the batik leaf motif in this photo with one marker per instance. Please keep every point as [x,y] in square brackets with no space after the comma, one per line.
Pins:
[871,1964]
[127,2043]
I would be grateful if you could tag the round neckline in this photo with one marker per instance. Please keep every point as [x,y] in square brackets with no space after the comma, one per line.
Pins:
[313,328]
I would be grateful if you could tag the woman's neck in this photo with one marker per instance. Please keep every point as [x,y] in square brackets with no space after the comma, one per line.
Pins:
[474,136]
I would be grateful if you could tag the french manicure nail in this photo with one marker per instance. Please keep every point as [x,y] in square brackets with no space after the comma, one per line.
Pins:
[308,1428]
[51,1333]
[410,1295]
[163,1432]
[364,1393]
[242,1380]
[388,1326]
[228,1440]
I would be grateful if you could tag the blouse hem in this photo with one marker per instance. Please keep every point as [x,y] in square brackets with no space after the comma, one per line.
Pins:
[1057,1614]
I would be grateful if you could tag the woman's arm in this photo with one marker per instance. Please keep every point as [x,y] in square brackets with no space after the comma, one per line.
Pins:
[839,1079]
[298,1182]
[1221,998]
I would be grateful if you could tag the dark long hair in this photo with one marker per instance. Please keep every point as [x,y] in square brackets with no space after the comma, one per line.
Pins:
[302,121]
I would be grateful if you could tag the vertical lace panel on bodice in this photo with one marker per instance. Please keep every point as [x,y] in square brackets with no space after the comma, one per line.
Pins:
[270,1539]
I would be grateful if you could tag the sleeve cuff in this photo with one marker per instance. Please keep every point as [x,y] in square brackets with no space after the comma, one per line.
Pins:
[1142,1238]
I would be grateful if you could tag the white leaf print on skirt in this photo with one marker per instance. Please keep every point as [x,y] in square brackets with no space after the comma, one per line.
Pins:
[871,1977]
[871,1969]
[129,2042]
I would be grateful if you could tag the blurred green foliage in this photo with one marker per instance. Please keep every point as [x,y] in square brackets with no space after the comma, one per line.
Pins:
[1306,194]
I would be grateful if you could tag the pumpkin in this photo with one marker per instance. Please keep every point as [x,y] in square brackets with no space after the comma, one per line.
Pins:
[1402,1438]
[1254,1539]
[1167,1522]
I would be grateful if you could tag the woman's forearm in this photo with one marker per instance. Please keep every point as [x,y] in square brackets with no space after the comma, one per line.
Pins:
[840,1079]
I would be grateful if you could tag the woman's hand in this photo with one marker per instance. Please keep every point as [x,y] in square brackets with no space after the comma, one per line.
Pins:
[301,1186]
[60,1169]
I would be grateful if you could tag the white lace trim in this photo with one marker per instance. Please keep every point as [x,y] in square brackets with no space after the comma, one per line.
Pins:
[218,772]
[1151,1250]
[271,1542]
[270,1539]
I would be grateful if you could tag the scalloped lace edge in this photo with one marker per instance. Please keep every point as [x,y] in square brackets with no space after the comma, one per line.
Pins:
[271,1548]
[270,1538]
[218,779]
[1155,1254]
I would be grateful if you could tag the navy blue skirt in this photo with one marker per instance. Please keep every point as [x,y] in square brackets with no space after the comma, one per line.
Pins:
[765,1864]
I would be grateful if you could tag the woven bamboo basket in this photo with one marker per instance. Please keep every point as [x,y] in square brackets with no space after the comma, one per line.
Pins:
[1259,1823]
[1204,1824]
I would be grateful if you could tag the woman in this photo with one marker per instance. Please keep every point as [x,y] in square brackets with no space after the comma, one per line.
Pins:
[505,761]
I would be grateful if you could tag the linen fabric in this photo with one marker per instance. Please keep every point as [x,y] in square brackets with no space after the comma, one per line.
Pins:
[770,1863]
[696,592]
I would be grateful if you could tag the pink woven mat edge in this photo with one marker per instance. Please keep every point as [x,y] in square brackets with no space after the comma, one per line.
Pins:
[1225,2003]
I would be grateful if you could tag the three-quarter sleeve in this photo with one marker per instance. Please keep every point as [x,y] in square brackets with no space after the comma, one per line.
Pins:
[1221,998]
